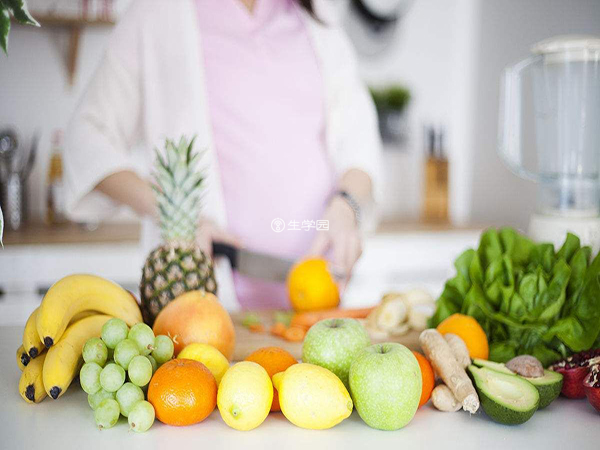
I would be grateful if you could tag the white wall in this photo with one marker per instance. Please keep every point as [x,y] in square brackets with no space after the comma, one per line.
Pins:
[508,28]
[433,56]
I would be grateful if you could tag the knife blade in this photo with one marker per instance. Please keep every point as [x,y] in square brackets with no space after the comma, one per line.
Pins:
[258,265]
[254,264]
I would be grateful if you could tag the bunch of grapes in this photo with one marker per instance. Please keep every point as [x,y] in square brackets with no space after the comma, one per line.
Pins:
[117,370]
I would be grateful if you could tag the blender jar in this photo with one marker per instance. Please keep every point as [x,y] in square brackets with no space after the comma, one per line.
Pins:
[563,157]
[565,79]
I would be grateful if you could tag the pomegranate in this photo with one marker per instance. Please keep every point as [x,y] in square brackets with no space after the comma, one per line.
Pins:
[574,369]
[591,385]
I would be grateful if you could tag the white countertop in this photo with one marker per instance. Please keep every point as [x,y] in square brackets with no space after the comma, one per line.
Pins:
[68,423]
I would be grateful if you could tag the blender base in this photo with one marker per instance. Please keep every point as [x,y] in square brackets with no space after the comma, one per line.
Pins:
[553,229]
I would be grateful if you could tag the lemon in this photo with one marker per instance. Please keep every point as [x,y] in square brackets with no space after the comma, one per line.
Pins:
[245,396]
[312,397]
[208,355]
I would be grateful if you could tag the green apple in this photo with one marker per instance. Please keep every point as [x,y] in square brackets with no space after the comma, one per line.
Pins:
[333,344]
[385,383]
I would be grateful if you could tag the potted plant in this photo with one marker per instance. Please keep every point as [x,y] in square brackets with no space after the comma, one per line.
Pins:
[18,10]
[391,103]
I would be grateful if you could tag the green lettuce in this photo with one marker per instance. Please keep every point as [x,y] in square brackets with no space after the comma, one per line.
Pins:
[528,298]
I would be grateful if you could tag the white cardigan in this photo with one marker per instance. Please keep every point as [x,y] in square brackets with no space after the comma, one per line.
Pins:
[150,86]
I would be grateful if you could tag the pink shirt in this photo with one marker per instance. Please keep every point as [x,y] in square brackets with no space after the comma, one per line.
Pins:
[266,105]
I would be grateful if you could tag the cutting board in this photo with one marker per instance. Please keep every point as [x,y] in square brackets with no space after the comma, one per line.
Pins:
[246,341]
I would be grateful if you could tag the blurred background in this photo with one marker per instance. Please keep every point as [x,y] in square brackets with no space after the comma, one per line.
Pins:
[434,68]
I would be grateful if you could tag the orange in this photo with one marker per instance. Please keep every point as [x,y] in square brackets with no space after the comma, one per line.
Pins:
[197,316]
[311,286]
[469,330]
[427,376]
[183,392]
[273,360]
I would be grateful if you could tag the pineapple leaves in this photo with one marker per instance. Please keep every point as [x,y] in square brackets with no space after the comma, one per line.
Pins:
[178,183]
[188,156]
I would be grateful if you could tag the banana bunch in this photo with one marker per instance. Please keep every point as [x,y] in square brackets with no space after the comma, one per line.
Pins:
[73,310]
[400,312]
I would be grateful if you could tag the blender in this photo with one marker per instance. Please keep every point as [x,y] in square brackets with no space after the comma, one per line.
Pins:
[555,93]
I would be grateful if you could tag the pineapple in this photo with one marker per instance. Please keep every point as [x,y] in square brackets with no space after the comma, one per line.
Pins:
[178,265]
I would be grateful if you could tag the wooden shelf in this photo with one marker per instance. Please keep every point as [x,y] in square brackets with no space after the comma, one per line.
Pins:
[73,234]
[74,26]
[59,21]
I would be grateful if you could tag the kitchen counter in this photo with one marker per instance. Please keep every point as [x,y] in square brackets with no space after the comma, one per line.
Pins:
[69,423]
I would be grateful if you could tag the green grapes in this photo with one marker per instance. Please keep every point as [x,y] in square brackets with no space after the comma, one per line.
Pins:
[125,351]
[89,377]
[140,370]
[112,377]
[141,417]
[153,362]
[163,349]
[95,399]
[128,396]
[107,414]
[143,336]
[95,351]
[113,332]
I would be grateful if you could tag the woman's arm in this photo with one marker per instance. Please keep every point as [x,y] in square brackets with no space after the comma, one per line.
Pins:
[358,184]
[129,189]
[343,235]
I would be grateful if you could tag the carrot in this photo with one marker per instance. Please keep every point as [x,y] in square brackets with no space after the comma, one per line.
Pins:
[308,319]
[256,328]
[294,334]
[278,329]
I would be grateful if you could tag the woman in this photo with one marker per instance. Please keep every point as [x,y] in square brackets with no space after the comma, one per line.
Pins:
[274,97]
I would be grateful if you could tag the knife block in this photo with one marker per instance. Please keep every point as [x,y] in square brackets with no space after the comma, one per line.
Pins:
[435,198]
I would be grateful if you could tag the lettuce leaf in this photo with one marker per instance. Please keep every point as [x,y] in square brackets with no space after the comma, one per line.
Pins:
[528,298]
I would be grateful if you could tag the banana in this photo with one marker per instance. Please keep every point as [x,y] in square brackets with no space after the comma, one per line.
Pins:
[31,339]
[31,386]
[76,293]
[22,358]
[64,359]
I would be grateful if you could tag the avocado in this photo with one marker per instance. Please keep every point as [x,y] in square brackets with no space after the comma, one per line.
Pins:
[498,367]
[548,386]
[507,399]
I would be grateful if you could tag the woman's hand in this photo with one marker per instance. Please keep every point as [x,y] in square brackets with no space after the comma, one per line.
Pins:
[209,232]
[342,238]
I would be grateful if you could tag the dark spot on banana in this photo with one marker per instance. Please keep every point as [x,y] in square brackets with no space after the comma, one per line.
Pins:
[30,392]
[48,341]
[25,359]
[55,392]
[33,352]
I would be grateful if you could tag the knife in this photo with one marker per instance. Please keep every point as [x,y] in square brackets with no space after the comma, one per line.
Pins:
[258,265]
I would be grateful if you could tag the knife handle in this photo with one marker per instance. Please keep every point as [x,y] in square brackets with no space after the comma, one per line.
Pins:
[228,251]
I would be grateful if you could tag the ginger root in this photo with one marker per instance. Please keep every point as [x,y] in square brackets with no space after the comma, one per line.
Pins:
[445,364]
[459,349]
[444,400]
